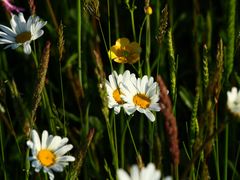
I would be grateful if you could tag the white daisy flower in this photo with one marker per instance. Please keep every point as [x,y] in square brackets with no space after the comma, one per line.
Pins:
[48,153]
[233,101]
[21,32]
[146,173]
[140,94]
[113,89]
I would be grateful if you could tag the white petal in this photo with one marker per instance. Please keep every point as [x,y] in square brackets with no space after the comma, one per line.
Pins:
[13,24]
[5,41]
[49,140]
[27,48]
[150,115]
[134,172]
[129,109]
[113,82]
[21,23]
[122,175]
[40,25]
[154,107]
[51,175]
[63,142]
[7,30]
[117,109]
[21,18]
[54,143]
[65,158]
[29,23]
[63,150]
[36,140]
[30,144]
[143,85]
[148,172]
[57,168]
[36,164]
[37,34]
[44,139]
[13,46]
[7,36]
[168,178]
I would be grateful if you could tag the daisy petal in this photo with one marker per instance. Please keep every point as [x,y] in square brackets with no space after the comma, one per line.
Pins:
[63,150]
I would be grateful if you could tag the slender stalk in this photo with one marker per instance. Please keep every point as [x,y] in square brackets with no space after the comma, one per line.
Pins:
[115,140]
[27,165]
[45,176]
[225,176]
[134,145]
[116,19]
[236,162]
[111,140]
[62,96]
[151,133]
[47,108]
[215,150]
[104,41]
[79,32]
[2,153]
[133,24]
[141,29]
[176,172]
[49,5]
[34,55]
[109,24]
[123,142]
[148,46]
[200,149]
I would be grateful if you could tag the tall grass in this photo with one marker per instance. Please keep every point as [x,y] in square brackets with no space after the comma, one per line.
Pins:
[190,48]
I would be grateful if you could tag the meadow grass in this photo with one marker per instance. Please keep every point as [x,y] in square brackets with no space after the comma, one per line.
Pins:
[190,48]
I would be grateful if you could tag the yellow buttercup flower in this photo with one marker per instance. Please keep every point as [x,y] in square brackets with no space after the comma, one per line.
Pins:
[148,10]
[125,51]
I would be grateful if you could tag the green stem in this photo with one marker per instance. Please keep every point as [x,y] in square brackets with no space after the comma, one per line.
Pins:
[133,24]
[79,31]
[236,162]
[226,153]
[141,29]
[34,54]
[151,133]
[47,107]
[109,25]
[111,140]
[216,151]
[104,41]
[2,153]
[27,165]
[63,103]
[176,172]
[49,5]
[116,19]
[115,140]
[134,145]
[148,45]
[123,142]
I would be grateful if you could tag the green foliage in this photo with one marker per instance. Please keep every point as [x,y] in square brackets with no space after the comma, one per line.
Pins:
[61,88]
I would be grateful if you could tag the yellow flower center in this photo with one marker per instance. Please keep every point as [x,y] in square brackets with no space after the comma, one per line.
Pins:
[46,157]
[141,100]
[23,37]
[116,96]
